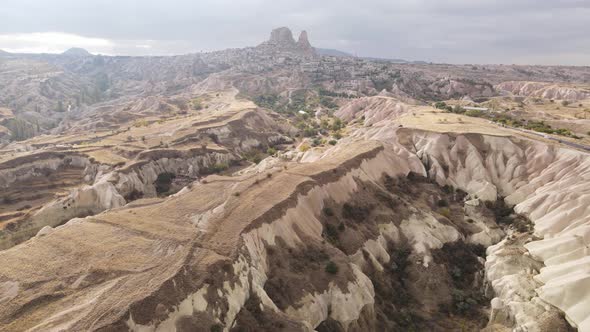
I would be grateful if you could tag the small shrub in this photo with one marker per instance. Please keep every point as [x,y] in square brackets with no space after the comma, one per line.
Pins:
[446,212]
[139,123]
[331,268]
[253,156]
[442,203]
[133,195]
[501,211]
[304,147]
[474,113]
[216,328]
[271,151]
[331,232]
[447,189]
[333,142]
[355,212]
[219,167]
[163,182]
[328,211]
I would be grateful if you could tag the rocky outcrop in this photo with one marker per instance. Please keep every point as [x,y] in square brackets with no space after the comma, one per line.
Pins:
[281,37]
[281,40]
[544,90]
[303,43]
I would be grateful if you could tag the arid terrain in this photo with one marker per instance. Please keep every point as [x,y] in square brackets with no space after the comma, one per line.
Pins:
[273,188]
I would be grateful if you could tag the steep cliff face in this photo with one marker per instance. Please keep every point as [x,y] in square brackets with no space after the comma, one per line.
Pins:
[545,183]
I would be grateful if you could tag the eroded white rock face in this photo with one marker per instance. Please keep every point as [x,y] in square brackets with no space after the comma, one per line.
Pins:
[343,305]
[543,90]
[425,233]
[374,109]
[142,178]
[550,185]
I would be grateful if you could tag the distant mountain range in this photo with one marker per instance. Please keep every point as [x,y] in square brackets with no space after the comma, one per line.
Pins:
[338,53]
[331,52]
[76,51]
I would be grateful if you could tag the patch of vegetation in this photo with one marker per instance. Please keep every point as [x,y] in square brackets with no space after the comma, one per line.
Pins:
[331,234]
[304,147]
[323,92]
[331,268]
[327,211]
[387,199]
[253,156]
[355,212]
[163,182]
[337,125]
[475,113]
[197,104]
[441,105]
[219,167]
[270,101]
[538,126]
[21,129]
[328,102]
[141,123]
[462,262]
[133,195]
[445,211]
[216,328]
[502,212]
[381,84]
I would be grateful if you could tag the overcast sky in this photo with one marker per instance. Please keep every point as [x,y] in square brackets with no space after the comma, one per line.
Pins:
[451,31]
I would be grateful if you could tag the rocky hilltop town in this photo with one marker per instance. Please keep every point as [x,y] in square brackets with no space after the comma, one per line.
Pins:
[281,188]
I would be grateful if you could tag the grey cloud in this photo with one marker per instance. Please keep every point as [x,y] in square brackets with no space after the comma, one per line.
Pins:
[455,31]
